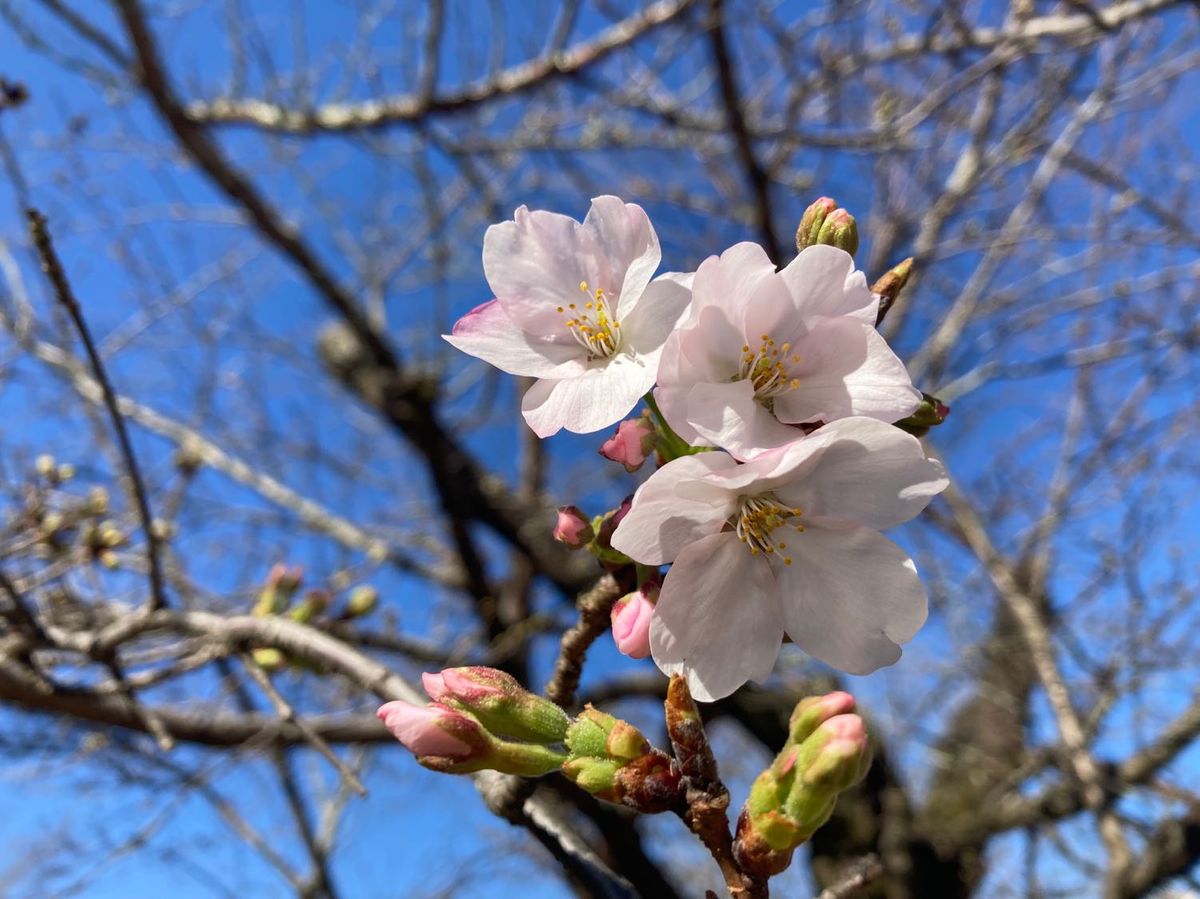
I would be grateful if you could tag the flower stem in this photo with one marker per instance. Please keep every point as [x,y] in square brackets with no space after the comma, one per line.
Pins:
[670,445]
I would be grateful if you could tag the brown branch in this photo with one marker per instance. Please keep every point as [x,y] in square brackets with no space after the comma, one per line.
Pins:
[706,813]
[595,607]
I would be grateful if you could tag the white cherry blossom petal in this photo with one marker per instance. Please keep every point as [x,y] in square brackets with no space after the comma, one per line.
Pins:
[728,415]
[649,324]
[824,282]
[862,471]
[718,619]
[601,396]
[487,333]
[536,263]
[627,246]
[850,597]
[846,369]
[661,521]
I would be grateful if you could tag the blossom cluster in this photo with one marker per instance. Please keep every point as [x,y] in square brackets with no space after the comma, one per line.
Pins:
[771,403]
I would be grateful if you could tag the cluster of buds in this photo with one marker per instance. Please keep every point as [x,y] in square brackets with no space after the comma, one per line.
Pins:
[612,760]
[824,222]
[826,753]
[62,522]
[52,471]
[480,719]
[276,598]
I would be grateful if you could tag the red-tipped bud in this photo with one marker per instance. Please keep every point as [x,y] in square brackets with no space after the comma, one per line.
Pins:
[824,222]
[812,220]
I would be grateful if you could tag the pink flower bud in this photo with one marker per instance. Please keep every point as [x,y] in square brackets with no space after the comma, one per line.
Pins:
[284,578]
[497,701]
[423,730]
[813,711]
[632,443]
[572,527]
[470,685]
[631,618]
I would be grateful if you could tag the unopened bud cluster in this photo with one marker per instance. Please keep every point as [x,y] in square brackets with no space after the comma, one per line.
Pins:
[824,222]
[278,597]
[483,719]
[612,760]
[825,754]
[61,522]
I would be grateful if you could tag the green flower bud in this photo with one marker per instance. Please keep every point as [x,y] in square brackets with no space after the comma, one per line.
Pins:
[812,220]
[613,760]
[313,604]
[931,413]
[826,753]
[362,602]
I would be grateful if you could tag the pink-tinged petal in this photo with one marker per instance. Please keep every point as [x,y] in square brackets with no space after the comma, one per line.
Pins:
[662,304]
[729,281]
[535,264]
[718,619]
[601,396]
[845,369]
[435,686]
[627,246]
[824,282]
[487,333]
[661,522]
[850,597]
[728,415]
[418,728]
[863,471]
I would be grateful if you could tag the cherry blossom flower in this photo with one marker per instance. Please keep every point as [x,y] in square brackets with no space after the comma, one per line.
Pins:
[575,308]
[788,542]
[763,350]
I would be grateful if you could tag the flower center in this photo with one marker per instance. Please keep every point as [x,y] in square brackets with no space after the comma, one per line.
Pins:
[767,368]
[594,326]
[757,520]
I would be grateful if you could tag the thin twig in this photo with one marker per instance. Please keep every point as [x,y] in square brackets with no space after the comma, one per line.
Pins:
[289,714]
[860,873]
[53,269]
